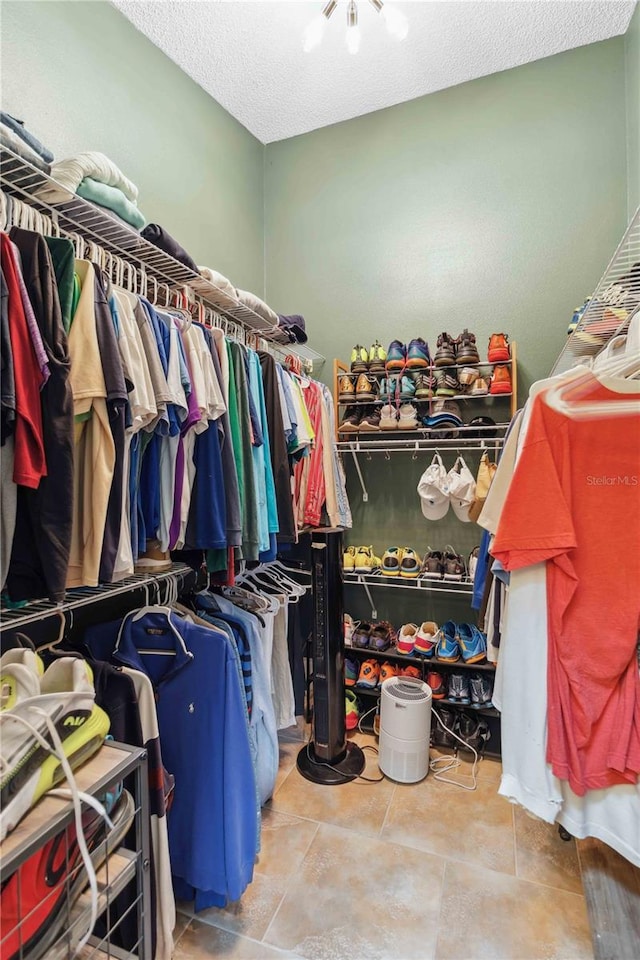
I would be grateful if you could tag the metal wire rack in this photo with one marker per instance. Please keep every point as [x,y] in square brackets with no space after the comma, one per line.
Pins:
[609,310]
[51,922]
[76,217]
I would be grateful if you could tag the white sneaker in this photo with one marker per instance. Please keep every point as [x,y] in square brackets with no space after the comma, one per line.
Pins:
[42,718]
[406,639]
[408,417]
[388,417]
[349,626]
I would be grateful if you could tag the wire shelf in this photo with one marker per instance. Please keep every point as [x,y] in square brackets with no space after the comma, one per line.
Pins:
[614,300]
[77,216]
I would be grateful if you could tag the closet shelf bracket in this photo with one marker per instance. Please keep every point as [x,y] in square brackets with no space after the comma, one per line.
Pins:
[353,447]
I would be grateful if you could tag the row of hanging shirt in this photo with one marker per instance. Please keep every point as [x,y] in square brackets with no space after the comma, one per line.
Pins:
[212,677]
[563,514]
[129,430]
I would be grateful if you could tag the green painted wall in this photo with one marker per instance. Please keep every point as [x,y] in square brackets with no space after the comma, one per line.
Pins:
[83,78]
[493,205]
[632,62]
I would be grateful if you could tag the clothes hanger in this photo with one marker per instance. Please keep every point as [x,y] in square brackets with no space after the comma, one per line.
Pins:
[62,632]
[136,615]
[626,367]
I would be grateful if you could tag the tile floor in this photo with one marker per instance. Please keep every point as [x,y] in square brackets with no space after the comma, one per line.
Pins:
[375,871]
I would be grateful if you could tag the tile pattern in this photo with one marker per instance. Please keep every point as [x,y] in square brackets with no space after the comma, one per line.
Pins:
[382,870]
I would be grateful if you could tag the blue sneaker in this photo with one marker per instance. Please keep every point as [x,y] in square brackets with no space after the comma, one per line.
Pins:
[418,356]
[447,647]
[472,643]
[407,389]
[396,356]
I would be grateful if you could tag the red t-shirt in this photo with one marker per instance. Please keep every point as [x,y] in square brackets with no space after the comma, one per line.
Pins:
[29,458]
[574,502]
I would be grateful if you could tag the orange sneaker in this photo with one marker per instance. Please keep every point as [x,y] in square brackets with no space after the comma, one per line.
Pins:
[500,381]
[369,674]
[388,670]
[410,671]
[499,349]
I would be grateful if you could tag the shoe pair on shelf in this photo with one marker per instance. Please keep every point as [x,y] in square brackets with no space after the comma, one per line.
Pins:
[452,351]
[472,730]
[473,690]
[368,361]
[414,639]
[372,673]
[401,562]
[456,640]
[363,389]
[414,356]
[404,417]
[365,419]
[444,564]
[373,636]
[360,560]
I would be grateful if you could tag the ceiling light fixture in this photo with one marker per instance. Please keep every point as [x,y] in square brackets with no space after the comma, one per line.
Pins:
[395,21]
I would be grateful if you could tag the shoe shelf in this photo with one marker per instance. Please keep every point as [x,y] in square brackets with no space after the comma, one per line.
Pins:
[380,401]
[375,692]
[53,814]
[392,654]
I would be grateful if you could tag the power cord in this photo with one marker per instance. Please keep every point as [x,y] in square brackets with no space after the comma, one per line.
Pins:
[360,776]
[442,765]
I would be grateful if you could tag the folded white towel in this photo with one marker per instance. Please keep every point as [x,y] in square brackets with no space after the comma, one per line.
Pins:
[71,172]
[219,279]
[258,306]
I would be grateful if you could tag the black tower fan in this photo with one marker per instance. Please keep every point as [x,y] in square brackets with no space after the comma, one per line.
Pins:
[328,757]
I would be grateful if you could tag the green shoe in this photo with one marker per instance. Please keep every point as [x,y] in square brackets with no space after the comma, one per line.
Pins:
[359,359]
[377,358]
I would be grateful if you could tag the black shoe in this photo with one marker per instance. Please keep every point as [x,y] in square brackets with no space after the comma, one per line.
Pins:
[481,691]
[459,688]
[441,737]
[467,351]
[474,731]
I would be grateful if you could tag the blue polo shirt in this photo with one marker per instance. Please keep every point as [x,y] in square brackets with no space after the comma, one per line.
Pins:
[213,827]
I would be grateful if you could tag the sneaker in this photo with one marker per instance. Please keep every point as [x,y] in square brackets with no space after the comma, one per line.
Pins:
[425,384]
[479,388]
[446,351]
[381,636]
[472,643]
[37,898]
[350,421]
[349,626]
[474,731]
[413,673]
[350,672]
[391,560]
[500,381]
[349,559]
[359,359]
[388,670]
[446,385]
[499,349]
[467,376]
[458,688]
[370,420]
[61,707]
[418,357]
[362,635]
[443,722]
[346,389]
[481,691]
[406,639]
[366,388]
[473,562]
[351,712]
[396,356]
[391,389]
[453,565]
[407,417]
[369,674]
[365,561]
[447,647]
[425,638]
[436,682]
[410,564]
[407,388]
[433,565]
[467,351]
[377,358]
[153,560]
[388,417]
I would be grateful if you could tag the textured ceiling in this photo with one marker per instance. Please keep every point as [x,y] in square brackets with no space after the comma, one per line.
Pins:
[248,55]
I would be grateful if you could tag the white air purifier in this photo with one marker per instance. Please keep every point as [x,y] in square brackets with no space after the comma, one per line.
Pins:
[405,729]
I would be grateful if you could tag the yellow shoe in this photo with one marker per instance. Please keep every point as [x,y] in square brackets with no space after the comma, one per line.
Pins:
[348,559]
[366,561]
[359,359]
[391,561]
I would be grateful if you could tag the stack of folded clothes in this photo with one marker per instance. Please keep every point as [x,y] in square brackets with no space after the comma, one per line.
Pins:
[159,237]
[95,177]
[14,134]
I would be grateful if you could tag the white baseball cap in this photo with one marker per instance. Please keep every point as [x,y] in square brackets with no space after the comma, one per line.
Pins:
[462,489]
[433,490]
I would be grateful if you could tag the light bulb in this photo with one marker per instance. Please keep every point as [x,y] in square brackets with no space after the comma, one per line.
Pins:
[397,23]
[313,34]
[353,39]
